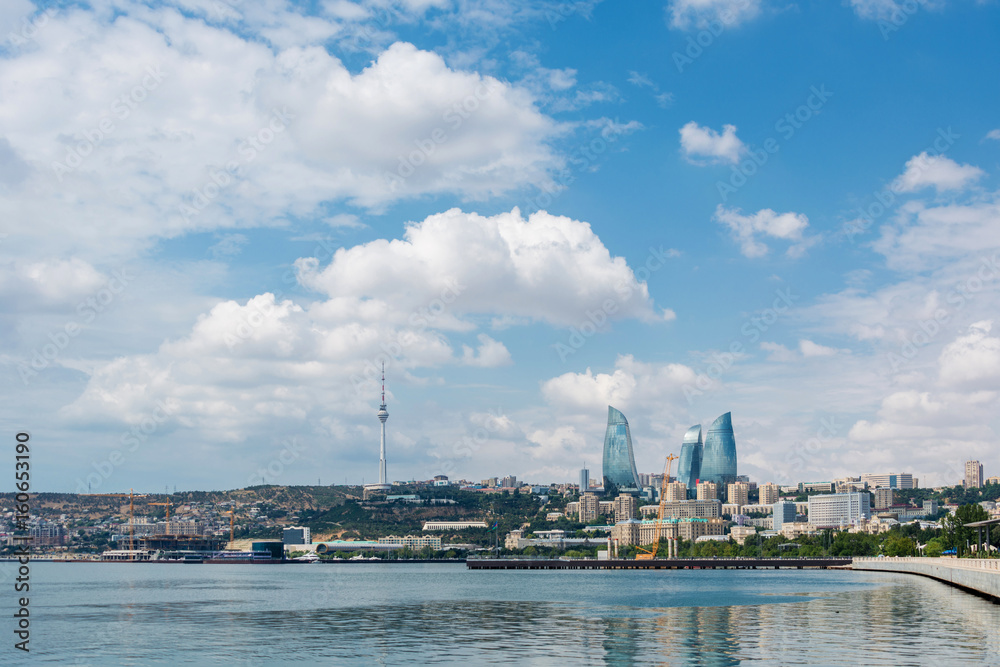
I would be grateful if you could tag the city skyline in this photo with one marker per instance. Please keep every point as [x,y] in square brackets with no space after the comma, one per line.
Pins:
[221,221]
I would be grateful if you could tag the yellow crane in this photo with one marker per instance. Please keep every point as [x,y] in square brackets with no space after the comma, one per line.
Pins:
[232,520]
[647,553]
[131,512]
[167,505]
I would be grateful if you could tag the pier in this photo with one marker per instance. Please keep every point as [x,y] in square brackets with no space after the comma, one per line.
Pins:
[975,575]
[657,564]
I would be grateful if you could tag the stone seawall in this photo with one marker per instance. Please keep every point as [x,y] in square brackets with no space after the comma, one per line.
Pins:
[976,575]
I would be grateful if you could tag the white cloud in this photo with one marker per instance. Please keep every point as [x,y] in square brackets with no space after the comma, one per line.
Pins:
[546,268]
[745,229]
[687,14]
[300,129]
[811,349]
[924,236]
[938,171]
[993,134]
[705,143]
[972,361]
[778,352]
[489,354]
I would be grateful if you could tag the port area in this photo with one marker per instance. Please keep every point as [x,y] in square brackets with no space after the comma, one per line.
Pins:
[658,564]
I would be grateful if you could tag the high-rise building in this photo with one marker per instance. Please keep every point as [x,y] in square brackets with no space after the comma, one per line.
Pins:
[738,493]
[676,491]
[296,535]
[770,493]
[708,491]
[619,463]
[837,510]
[590,507]
[718,463]
[889,480]
[883,498]
[689,464]
[783,512]
[973,475]
[584,480]
[625,507]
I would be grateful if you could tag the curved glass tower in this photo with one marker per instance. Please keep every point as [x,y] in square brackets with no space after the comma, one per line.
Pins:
[689,465]
[718,463]
[619,471]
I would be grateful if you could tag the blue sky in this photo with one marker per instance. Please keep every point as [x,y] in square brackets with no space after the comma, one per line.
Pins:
[221,217]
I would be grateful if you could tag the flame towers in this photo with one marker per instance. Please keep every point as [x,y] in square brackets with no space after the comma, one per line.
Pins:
[689,465]
[619,471]
[718,462]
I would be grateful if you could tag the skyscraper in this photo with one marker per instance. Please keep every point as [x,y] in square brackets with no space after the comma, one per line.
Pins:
[584,480]
[689,465]
[718,463]
[973,475]
[619,471]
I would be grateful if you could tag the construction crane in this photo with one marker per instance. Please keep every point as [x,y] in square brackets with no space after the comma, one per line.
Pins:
[131,513]
[647,553]
[167,505]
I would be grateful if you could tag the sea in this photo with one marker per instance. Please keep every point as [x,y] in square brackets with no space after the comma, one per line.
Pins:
[443,614]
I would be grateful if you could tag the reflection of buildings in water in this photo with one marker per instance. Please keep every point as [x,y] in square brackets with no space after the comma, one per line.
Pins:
[708,636]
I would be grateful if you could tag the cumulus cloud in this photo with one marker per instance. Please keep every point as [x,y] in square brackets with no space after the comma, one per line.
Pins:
[746,229]
[163,124]
[941,172]
[546,268]
[807,349]
[701,145]
[972,361]
[632,384]
[687,14]
[811,349]
[489,354]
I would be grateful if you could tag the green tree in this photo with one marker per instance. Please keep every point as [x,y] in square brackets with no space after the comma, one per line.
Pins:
[897,545]
[934,547]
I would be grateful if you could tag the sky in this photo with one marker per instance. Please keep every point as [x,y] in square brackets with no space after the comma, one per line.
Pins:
[221,218]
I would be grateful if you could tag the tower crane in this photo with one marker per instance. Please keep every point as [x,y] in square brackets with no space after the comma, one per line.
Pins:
[647,553]
[131,512]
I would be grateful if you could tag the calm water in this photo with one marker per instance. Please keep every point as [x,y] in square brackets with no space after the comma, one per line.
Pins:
[138,614]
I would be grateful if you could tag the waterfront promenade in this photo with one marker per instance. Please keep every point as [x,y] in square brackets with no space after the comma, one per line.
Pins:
[657,564]
[977,575]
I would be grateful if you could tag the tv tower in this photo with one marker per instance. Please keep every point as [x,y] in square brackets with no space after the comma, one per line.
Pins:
[383,414]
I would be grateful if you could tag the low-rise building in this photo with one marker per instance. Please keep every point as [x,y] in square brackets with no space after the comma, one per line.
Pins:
[412,541]
[741,533]
[638,533]
[453,525]
[681,509]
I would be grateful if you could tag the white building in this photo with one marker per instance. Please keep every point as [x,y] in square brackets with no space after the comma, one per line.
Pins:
[839,510]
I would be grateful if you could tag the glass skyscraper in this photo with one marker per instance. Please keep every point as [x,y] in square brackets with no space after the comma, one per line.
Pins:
[619,471]
[689,465]
[718,463]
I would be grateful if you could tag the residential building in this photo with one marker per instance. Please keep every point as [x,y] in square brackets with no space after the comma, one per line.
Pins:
[973,475]
[732,509]
[883,498]
[838,510]
[625,507]
[824,487]
[992,480]
[890,480]
[769,494]
[718,462]
[589,507]
[508,482]
[685,509]
[689,464]
[619,473]
[738,493]
[708,491]
[676,491]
